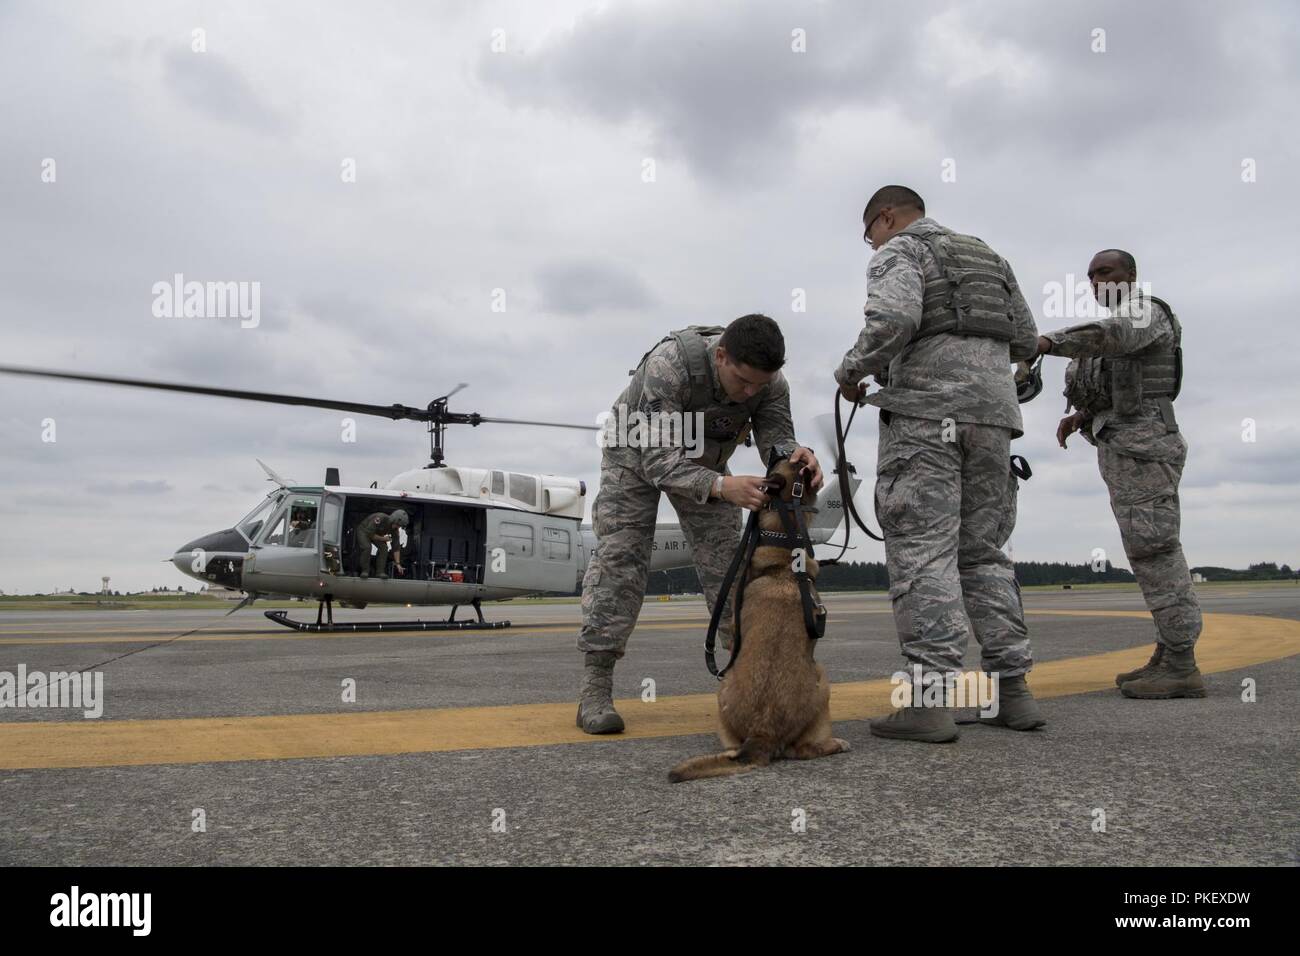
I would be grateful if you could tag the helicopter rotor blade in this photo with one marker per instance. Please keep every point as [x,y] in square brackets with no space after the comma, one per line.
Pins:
[825,426]
[521,421]
[394,412]
[453,391]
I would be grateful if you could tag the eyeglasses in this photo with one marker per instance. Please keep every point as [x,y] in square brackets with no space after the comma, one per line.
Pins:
[866,233]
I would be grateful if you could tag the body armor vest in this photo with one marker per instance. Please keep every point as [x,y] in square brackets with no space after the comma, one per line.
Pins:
[726,424]
[1119,383]
[971,295]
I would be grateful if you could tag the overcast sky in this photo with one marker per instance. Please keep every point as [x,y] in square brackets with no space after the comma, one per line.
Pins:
[506,147]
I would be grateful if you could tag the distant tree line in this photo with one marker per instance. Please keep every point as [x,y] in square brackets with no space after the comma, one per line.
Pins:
[872,576]
[1264,571]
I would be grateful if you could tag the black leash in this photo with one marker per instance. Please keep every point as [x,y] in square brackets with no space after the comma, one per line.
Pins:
[744,554]
[794,537]
[843,469]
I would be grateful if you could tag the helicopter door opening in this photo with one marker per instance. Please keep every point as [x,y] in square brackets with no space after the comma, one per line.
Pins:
[442,542]
[449,543]
[285,546]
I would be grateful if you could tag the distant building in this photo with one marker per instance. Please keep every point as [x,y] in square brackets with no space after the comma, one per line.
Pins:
[1198,578]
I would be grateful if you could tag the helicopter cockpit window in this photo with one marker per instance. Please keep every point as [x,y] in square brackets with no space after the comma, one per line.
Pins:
[251,525]
[499,483]
[302,524]
[524,488]
[278,529]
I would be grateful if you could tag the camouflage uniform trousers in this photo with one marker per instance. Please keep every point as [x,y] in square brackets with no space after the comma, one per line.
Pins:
[623,518]
[1144,498]
[946,508]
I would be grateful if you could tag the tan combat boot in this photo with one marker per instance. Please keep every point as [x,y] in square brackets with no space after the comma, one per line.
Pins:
[596,713]
[1175,676]
[931,725]
[1017,708]
[1144,670]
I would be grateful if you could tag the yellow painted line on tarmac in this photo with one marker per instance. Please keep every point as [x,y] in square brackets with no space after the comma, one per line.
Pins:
[1229,642]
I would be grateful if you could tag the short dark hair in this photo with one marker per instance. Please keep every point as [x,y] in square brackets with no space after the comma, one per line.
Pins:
[1129,262]
[756,341]
[892,196]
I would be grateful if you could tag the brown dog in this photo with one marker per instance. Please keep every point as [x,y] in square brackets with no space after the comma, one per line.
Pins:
[775,702]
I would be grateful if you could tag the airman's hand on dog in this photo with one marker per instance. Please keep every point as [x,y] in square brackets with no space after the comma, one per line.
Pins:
[745,491]
[804,457]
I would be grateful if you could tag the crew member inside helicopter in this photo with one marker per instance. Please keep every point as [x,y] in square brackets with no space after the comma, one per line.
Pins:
[302,528]
[378,529]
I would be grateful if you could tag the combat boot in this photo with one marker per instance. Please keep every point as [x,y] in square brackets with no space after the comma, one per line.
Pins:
[1175,676]
[1017,708]
[1144,670]
[596,713]
[931,725]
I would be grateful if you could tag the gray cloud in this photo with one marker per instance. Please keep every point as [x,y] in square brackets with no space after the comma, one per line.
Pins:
[478,172]
[579,287]
[137,487]
[212,86]
[719,84]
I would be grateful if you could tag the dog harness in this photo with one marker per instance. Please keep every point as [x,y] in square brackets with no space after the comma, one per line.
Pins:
[794,537]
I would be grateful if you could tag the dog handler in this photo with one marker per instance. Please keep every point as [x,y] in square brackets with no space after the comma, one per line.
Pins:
[730,378]
[944,321]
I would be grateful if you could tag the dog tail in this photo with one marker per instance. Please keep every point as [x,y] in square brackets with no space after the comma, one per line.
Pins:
[754,752]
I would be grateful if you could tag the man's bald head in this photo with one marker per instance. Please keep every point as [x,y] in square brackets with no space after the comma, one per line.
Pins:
[890,210]
[1120,260]
[1113,276]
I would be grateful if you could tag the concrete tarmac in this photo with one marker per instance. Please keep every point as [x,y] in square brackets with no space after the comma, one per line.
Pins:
[230,741]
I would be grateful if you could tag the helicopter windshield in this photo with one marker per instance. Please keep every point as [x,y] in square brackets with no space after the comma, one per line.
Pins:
[252,524]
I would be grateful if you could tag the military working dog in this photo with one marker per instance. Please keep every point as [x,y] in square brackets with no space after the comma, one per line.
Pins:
[774,702]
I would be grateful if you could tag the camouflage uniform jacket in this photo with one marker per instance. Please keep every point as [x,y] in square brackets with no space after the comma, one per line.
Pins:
[966,378]
[662,385]
[1145,435]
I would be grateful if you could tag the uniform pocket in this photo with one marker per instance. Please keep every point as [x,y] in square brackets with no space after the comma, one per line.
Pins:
[904,620]
[1152,527]
[607,509]
[895,508]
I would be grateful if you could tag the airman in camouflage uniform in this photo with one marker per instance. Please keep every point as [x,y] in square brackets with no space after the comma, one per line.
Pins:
[732,380]
[1124,374]
[945,320]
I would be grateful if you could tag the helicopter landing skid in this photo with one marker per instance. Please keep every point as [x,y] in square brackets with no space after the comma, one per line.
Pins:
[329,627]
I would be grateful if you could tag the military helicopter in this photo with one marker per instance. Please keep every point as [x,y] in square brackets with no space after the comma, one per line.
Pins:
[474,534]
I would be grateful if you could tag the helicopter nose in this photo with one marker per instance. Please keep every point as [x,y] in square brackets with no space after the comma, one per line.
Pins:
[196,559]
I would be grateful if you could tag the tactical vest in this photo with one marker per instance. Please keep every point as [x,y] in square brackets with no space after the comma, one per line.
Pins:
[971,295]
[1120,383]
[726,424]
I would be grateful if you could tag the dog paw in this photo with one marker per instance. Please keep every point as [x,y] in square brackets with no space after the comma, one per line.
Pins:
[844,745]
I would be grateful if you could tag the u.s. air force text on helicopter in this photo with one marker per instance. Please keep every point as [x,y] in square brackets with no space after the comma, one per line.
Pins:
[473,534]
